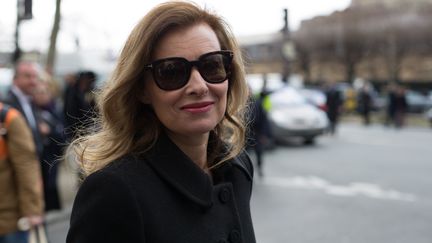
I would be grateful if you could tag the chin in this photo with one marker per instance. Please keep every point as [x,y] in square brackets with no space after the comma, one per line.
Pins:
[199,128]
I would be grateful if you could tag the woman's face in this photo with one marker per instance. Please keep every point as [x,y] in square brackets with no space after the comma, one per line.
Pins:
[199,106]
[41,94]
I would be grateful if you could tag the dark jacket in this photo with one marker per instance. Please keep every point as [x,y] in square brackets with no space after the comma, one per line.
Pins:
[53,146]
[163,197]
[79,104]
[259,124]
[334,102]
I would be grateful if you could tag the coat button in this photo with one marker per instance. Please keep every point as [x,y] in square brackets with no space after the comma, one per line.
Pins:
[224,195]
[234,236]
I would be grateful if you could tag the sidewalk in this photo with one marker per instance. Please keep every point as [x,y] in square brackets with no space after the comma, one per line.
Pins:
[411,120]
[67,186]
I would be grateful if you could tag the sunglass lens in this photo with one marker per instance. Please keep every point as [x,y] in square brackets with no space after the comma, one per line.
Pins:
[171,74]
[214,68]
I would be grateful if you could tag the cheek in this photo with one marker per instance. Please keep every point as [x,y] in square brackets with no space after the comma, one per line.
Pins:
[163,102]
[222,93]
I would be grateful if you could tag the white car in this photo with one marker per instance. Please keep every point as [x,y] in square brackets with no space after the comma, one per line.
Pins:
[6,76]
[428,115]
[315,97]
[291,115]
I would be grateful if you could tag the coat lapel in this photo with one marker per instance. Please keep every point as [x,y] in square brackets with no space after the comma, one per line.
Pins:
[178,170]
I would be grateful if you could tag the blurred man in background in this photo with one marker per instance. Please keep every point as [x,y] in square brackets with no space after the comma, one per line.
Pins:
[20,97]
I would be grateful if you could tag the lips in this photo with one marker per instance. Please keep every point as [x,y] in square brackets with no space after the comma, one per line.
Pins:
[198,107]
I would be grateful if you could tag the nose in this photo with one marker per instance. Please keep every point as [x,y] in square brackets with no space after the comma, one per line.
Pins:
[196,85]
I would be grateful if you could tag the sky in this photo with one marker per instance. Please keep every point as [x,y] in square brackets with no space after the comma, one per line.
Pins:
[105,24]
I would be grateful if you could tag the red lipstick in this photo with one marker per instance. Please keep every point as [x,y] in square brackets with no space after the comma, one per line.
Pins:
[200,107]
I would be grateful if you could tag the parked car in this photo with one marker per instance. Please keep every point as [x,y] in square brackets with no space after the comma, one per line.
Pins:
[315,97]
[6,76]
[417,103]
[256,82]
[291,115]
[429,95]
[428,115]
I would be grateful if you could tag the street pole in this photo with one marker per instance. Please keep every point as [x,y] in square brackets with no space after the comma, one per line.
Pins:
[17,53]
[53,39]
[285,40]
[24,12]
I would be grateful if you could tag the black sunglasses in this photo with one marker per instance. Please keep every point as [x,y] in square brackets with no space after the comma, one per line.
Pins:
[174,72]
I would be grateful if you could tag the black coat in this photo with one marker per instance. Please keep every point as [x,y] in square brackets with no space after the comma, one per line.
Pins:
[163,197]
[334,102]
[79,109]
[53,146]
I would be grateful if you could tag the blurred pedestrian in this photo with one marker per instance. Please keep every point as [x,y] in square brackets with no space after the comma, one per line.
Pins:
[400,106]
[168,164]
[20,97]
[21,200]
[390,104]
[69,87]
[365,103]
[79,103]
[334,103]
[51,127]
[259,133]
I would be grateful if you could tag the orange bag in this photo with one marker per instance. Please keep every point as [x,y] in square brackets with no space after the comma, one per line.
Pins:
[6,116]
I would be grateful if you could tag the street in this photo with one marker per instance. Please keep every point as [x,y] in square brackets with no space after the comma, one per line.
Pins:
[364,184]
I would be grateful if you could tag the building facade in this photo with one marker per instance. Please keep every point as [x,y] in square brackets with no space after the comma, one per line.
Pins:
[378,40]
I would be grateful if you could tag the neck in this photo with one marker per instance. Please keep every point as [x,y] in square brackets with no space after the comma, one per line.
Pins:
[194,146]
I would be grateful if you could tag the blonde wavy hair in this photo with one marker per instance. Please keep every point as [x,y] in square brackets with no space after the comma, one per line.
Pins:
[125,125]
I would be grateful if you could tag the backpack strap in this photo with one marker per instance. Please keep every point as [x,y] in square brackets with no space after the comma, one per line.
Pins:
[4,109]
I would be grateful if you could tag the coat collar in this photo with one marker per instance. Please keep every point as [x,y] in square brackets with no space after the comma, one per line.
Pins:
[180,171]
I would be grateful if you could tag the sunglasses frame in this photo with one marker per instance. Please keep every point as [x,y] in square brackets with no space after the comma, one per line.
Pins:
[189,65]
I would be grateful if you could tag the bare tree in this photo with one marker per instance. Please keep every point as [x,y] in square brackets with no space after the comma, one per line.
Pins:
[53,39]
[362,35]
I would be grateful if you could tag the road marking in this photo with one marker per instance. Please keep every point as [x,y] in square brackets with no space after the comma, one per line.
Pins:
[353,189]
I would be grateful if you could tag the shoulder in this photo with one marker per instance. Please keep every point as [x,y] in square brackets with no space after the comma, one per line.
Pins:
[244,163]
[122,172]
[120,168]
[103,200]
[11,114]
[108,185]
[11,98]
[11,117]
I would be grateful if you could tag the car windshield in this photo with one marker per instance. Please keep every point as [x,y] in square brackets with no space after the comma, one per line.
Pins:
[256,82]
[315,97]
[287,96]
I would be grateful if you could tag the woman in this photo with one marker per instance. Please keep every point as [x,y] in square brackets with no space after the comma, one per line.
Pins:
[51,129]
[167,164]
